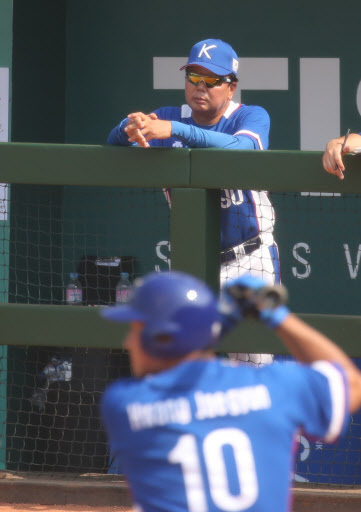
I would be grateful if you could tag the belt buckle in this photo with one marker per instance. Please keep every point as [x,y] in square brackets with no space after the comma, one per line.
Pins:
[240,250]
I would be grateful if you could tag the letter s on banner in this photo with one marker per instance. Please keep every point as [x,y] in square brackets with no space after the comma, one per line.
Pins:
[300,259]
[163,245]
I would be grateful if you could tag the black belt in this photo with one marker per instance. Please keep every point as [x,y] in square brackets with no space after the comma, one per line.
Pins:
[245,249]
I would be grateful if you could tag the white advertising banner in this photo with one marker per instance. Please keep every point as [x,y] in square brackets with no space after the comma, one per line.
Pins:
[4,104]
[4,133]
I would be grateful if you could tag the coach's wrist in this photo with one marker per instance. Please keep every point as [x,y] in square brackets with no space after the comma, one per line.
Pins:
[160,129]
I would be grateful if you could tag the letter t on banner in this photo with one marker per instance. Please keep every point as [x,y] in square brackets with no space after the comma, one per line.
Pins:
[4,104]
[4,134]
[4,249]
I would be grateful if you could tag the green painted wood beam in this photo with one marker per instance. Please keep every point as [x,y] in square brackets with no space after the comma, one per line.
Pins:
[106,166]
[253,337]
[64,164]
[68,326]
[32,324]
[275,171]
[195,233]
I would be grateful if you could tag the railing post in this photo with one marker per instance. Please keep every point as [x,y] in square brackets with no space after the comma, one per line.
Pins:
[195,233]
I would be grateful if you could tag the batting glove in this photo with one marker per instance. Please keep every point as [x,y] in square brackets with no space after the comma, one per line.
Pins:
[256,299]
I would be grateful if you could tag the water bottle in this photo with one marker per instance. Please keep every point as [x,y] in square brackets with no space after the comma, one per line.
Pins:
[123,288]
[74,291]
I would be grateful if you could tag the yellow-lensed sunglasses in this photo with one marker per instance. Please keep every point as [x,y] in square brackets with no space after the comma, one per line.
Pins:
[210,81]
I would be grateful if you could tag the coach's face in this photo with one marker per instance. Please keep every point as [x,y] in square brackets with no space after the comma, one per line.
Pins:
[207,104]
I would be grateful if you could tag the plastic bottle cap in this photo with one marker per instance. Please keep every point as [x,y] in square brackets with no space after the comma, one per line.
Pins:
[124,275]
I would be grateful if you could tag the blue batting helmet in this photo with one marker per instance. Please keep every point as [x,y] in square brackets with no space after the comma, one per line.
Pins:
[180,314]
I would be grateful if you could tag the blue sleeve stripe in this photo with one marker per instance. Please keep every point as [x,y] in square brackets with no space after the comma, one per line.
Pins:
[339,398]
[251,134]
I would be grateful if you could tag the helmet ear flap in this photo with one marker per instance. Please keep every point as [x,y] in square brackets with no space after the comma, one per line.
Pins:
[160,340]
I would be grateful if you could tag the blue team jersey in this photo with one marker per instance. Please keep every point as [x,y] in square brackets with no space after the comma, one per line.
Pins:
[245,213]
[211,436]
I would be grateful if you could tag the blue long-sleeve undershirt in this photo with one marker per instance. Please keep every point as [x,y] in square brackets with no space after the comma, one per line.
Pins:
[192,136]
[195,137]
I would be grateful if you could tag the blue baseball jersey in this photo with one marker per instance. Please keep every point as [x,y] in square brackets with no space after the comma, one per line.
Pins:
[245,213]
[211,436]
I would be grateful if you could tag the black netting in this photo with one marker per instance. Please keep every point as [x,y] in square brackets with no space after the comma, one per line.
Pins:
[52,421]
[49,417]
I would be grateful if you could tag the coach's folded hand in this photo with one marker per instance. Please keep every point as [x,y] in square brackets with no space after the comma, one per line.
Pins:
[135,125]
[149,126]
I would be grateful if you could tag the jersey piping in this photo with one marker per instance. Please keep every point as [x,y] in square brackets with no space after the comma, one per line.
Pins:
[338,398]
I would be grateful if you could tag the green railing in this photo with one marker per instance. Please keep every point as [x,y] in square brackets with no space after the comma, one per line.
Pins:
[195,177]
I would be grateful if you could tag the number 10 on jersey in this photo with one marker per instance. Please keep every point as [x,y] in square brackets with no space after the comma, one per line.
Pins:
[187,455]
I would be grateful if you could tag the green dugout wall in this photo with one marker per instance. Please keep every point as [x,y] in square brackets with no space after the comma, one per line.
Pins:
[83,70]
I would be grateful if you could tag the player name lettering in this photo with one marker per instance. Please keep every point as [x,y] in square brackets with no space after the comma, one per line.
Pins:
[233,402]
[159,413]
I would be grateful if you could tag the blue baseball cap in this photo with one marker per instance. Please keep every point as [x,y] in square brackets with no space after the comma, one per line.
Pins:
[214,55]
